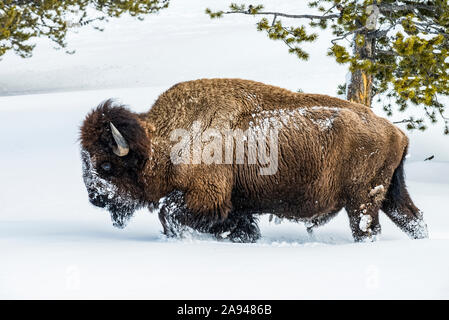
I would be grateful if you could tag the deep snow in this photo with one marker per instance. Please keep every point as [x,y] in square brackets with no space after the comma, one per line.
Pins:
[54,244]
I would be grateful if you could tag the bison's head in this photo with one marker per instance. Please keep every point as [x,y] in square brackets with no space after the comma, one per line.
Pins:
[114,149]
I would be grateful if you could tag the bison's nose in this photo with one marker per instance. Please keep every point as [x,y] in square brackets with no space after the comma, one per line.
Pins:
[97,200]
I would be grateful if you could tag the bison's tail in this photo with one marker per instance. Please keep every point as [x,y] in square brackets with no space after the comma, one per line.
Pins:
[397,192]
[400,208]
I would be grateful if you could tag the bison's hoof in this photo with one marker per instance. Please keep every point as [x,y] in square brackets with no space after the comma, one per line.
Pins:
[243,237]
[370,234]
[367,238]
[417,229]
[247,233]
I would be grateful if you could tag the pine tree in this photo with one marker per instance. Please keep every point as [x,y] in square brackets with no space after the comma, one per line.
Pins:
[22,20]
[398,53]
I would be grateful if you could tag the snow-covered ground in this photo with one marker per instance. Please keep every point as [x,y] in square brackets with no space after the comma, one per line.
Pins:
[54,244]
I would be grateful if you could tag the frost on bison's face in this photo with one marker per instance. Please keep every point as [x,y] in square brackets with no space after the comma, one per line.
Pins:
[112,160]
[104,193]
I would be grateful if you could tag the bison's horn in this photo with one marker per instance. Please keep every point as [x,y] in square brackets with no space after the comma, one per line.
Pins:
[122,148]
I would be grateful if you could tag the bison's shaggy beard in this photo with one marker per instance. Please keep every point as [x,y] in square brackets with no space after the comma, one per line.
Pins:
[104,194]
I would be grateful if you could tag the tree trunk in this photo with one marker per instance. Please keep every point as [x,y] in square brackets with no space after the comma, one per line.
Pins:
[359,89]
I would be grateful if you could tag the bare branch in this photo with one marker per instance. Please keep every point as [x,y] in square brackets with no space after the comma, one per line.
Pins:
[348,34]
[386,52]
[388,7]
[404,121]
[274,20]
[285,15]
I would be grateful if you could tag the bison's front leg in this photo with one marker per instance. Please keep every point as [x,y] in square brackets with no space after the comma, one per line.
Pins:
[173,213]
[237,227]
[177,218]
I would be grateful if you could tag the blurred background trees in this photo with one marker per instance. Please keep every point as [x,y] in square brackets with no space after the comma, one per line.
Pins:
[21,21]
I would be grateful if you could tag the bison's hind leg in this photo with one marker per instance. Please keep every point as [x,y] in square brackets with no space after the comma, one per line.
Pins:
[363,209]
[363,213]
[177,219]
[399,207]
[364,221]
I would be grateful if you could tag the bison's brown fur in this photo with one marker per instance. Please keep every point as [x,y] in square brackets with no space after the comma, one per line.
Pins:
[333,154]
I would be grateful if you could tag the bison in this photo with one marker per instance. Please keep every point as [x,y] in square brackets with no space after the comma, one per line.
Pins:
[326,154]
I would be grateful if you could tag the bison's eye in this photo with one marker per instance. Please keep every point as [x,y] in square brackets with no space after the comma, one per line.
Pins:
[106,167]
